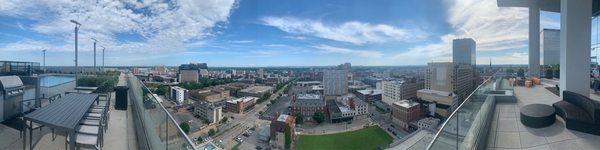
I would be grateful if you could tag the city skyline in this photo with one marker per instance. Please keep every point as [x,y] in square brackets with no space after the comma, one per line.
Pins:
[265,33]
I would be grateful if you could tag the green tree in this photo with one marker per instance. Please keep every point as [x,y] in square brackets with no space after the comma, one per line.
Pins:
[185,127]
[288,137]
[299,118]
[212,132]
[549,73]
[224,120]
[510,71]
[319,117]
[200,140]
[521,72]
[161,90]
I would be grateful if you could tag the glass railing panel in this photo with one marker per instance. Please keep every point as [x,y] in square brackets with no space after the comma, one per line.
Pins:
[161,130]
[466,126]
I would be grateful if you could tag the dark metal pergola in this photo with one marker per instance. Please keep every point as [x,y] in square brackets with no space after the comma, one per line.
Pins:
[63,114]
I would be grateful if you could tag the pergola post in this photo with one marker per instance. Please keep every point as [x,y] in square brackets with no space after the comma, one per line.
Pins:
[575,45]
[534,39]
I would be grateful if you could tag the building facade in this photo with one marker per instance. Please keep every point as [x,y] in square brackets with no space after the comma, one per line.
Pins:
[208,111]
[428,123]
[369,95]
[440,102]
[307,105]
[179,94]
[450,77]
[550,47]
[463,51]
[360,107]
[404,112]
[240,105]
[394,91]
[191,72]
[335,82]
[210,95]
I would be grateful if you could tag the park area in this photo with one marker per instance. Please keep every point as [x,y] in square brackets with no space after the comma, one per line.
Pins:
[367,138]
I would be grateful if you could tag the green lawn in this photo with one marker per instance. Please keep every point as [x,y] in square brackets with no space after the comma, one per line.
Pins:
[364,139]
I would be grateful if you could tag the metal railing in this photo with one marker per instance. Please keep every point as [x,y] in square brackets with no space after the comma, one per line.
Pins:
[159,128]
[467,125]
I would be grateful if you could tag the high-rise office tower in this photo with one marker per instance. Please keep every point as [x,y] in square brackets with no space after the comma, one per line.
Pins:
[463,51]
[335,82]
[550,46]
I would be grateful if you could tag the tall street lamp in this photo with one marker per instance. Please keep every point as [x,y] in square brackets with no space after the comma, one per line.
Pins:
[95,41]
[103,57]
[44,59]
[77,25]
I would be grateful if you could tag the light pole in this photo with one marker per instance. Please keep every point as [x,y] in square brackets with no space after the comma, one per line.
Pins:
[103,58]
[95,41]
[77,24]
[44,59]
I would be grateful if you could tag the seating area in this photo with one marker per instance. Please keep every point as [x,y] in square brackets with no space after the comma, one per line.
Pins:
[579,112]
[81,118]
[507,132]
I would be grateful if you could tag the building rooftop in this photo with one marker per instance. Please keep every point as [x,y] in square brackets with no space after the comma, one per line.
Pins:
[435,92]
[370,92]
[309,96]
[243,99]
[178,88]
[257,89]
[283,118]
[406,103]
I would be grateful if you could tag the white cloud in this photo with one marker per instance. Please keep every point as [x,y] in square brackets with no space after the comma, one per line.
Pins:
[339,50]
[509,58]
[493,28]
[353,32]
[163,26]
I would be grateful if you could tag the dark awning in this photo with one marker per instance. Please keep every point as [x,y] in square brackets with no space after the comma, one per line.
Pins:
[64,113]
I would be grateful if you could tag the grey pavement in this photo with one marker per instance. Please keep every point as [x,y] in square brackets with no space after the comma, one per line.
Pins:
[509,133]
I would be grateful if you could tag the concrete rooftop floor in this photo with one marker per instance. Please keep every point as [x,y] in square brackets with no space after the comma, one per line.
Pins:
[509,133]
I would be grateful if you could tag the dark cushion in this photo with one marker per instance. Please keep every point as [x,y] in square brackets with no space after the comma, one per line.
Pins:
[569,112]
[585,103]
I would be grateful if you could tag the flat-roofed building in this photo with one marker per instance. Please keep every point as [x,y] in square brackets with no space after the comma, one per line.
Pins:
[191,72]
[394,91]
[404,112]
[208,111]
[256,91]
[440,101]
[210,95]
[360,107]
[307,105]
[369,95]
[179,94]
[278,126]
[335,82]
[463,51]
[428,123]
[240,105]
[450,77]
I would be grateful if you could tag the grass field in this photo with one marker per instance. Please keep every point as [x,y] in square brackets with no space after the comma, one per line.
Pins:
[364,139]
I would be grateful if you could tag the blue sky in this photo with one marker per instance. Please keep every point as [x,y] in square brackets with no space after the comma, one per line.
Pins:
[264,32]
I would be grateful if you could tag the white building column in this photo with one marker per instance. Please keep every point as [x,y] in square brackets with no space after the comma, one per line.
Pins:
[575,46]
[534,39]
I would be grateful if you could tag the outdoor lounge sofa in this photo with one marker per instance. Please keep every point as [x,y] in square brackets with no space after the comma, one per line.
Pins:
[579,112]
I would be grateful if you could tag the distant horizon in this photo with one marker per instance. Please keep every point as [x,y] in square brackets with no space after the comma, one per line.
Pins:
[287,66]
[252,33]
